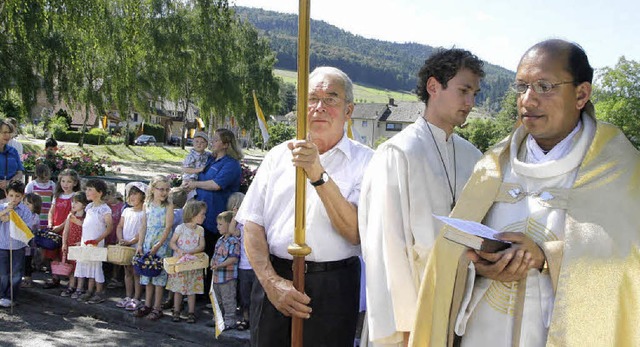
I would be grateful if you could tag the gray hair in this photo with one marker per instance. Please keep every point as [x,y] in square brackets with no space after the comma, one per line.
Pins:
[332,71]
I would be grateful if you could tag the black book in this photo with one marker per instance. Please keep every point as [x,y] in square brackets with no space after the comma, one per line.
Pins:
[472,234]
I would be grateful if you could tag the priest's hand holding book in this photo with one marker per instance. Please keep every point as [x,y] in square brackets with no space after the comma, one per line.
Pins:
[502,257]
[511,264]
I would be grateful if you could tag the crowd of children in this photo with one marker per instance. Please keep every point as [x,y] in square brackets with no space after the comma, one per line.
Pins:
[155,220]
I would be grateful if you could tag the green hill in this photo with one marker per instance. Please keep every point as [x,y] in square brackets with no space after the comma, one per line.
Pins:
[369,62]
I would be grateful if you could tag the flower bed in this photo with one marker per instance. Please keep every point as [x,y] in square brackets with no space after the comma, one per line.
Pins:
[84,163]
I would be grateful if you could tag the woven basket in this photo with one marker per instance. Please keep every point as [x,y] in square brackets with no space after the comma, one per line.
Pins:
[87,253]
[120,255]
[147,265]
[61,268]
[171,265]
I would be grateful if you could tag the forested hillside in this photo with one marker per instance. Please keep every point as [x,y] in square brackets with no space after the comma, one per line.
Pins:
[381,64]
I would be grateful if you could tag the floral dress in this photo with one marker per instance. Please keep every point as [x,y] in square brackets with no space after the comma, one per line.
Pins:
[156,222]
[192,281]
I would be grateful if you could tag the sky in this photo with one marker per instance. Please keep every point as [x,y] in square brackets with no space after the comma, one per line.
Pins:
[497,31]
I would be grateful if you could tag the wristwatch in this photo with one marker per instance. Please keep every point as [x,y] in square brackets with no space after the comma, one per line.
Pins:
[324,178]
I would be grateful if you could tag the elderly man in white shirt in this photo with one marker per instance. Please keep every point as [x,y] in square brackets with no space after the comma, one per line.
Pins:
[334,166]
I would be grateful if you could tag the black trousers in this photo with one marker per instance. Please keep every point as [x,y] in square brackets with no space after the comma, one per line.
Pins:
[210,239]
[335,295]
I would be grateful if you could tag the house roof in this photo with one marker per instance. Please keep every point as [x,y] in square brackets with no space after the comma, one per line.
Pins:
[370,111]
[405,112]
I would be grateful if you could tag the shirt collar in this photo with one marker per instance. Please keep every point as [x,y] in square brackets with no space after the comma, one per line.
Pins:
[438,133]
[344,146]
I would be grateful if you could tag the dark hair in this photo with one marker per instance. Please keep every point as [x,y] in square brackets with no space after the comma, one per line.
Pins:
[16,186]
[66,172]
[576,61]
[99,185]
[35,200]
[136,190]
[43,171]
[443,65]
[191,209]
[80,197]
[50,143]
[227,136]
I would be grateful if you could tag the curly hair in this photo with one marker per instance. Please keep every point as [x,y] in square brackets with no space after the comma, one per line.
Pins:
[443,65]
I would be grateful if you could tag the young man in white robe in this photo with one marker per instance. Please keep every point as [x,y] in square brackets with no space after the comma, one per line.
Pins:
[416,174]
[565,190]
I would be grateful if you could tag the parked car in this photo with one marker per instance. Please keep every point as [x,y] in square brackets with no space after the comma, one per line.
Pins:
[174,141]
[145,140]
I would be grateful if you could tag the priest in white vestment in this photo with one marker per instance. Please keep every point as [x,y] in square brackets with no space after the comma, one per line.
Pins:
[414,175]
[565,189]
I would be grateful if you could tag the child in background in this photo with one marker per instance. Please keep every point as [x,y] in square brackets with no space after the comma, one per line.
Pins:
[153,236]
[188,238]
[34,204]
[224,264]
[127,232]
[68,183]
[95,228]
[196,160]
[71,236]
[10,278]
[117,205]
[246,276]
[178,197]
[44,187]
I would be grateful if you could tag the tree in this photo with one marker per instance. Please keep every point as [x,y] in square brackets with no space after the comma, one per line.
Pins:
[617,97]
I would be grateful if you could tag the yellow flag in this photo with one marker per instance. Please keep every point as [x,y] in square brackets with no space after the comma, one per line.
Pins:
[18,229]
[262,122]
[350,129]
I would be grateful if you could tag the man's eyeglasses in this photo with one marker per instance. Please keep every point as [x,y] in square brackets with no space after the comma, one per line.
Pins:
[540,87]
[327,101]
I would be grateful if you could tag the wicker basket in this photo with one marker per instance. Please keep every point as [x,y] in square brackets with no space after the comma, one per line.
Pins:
[61,268]
[47,239]
[171,265]
[120,255]
[87,253]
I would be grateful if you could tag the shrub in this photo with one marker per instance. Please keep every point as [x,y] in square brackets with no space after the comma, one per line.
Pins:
[247,176]
[86,163]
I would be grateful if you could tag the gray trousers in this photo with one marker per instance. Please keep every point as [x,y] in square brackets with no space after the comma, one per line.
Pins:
[226,295]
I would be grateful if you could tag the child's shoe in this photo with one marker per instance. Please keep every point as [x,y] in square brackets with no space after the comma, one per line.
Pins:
[123,303]
[191,318]
[84,297]
[96,299]
[77,294]
[175,317]
[27,282]
[132,305]
[5,303]
[114,283]
[67,292]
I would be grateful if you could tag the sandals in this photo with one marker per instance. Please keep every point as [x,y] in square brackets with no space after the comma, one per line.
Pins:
[155,315]
[242,325]
[191,318]
[175,317]
[53,283]
[142,311]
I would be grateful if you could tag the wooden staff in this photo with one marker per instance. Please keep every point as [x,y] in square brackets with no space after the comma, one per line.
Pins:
[299,248]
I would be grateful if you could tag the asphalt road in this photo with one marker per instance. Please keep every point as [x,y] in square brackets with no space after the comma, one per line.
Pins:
[43,324]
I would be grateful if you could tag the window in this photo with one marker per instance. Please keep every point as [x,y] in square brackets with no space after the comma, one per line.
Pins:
[394,126]
[364,123]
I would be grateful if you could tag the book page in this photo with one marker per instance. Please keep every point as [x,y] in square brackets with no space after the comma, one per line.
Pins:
[470,227]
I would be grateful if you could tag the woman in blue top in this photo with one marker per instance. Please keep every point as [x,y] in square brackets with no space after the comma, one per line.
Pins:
[219,179]
[11,168]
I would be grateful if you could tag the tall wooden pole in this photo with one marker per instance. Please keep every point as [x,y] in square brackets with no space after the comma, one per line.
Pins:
[299,248]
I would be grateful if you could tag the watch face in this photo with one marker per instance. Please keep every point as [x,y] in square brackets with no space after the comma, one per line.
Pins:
[324,177]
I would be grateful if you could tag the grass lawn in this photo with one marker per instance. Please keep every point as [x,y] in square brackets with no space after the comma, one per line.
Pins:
[123,154]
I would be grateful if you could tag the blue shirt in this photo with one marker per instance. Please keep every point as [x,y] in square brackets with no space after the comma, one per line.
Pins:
[10,163]
[7,242]
[226,172]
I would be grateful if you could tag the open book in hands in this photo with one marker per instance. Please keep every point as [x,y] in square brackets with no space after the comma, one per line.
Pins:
[472,234]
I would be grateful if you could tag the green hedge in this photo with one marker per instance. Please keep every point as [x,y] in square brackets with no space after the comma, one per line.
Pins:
[74,136]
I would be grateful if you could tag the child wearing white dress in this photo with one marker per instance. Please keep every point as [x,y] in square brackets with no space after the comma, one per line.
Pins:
[127,233]
[188,238]
[95,228]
